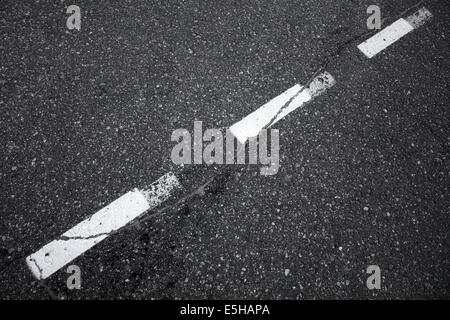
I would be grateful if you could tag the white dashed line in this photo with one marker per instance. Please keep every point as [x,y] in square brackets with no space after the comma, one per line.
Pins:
[56,254]
[394,32]
[277,108]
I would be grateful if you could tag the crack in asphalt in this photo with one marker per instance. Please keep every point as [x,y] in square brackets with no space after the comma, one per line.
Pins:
[37,266]
[66,238]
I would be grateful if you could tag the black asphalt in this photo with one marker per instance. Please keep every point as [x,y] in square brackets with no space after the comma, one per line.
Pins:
[364,171]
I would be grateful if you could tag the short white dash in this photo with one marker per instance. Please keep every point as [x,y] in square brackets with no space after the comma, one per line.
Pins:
[277,108]
[161,189]
[56,254]
[393,32]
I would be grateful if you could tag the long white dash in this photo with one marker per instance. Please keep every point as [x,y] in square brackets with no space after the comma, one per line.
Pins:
[280,106]
[56,254]
[394,32]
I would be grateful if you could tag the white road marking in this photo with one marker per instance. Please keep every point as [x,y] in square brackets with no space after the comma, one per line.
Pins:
[279,107]
[385,38]
[161,189]
[56,254]
[393,32]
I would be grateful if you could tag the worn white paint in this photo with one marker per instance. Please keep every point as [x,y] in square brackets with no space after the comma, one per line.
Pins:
[279,107]
[56,254]
[252,124]
[393,33]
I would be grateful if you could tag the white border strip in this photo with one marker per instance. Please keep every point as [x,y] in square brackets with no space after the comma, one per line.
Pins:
[389,35]
[56,254]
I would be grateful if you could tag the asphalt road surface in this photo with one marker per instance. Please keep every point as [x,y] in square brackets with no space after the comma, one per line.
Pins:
[364,169]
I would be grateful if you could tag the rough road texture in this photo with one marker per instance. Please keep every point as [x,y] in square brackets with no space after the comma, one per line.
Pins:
[364,179]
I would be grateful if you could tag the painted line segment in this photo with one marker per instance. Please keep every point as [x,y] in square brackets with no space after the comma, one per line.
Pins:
[56,254]
[392,33]
[280,106]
